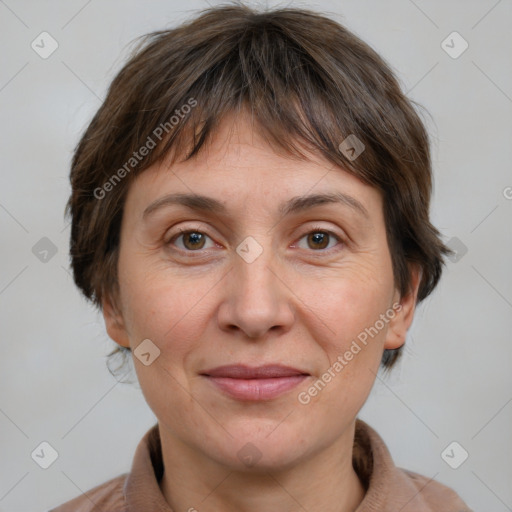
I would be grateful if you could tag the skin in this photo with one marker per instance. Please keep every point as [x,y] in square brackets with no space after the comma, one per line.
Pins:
[301,303]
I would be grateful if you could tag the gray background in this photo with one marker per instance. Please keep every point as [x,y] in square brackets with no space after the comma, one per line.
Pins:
[454,383]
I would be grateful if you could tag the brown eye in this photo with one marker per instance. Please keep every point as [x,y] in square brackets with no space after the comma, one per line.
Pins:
[192,240]
[319,239]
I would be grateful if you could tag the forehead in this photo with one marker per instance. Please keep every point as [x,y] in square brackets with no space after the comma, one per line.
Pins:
[240,168]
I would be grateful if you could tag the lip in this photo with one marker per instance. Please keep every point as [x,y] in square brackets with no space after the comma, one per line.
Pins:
[244,382]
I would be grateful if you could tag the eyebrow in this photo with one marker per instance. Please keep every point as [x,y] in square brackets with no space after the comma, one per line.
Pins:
[294,205]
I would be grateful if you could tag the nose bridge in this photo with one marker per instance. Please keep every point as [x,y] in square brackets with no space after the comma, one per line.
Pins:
[254,282]
[256,298]
[254,254]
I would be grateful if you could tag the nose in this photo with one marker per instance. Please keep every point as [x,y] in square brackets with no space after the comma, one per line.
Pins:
[257,298]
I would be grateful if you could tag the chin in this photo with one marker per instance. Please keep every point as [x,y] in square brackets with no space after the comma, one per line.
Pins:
[263,457]
[261,449]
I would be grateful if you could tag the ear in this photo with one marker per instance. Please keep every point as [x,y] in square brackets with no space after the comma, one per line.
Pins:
[114,322]
[400,323]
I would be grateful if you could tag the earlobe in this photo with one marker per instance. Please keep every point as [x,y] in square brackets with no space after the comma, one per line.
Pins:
[114,322]
[404,314]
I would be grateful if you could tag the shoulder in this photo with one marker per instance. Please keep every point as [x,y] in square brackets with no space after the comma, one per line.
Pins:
[433,494]
[107,496]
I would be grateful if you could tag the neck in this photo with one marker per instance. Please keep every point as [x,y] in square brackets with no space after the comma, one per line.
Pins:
[325,481]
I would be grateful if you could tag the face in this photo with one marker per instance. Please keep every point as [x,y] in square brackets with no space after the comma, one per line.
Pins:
[259,280]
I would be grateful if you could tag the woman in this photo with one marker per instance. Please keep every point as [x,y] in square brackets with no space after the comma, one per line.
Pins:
[250,212]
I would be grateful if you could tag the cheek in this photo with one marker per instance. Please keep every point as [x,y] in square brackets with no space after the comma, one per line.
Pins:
[163,312]
[160,310]
[350,301]
[353,307]
[169,309]
[350,357]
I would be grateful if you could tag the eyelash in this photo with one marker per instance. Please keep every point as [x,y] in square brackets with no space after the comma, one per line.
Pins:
[314,229]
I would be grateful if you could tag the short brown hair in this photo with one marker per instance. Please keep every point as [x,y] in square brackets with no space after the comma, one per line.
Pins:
[305,78]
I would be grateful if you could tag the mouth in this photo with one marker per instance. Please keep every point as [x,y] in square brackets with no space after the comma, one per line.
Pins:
[243,382]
